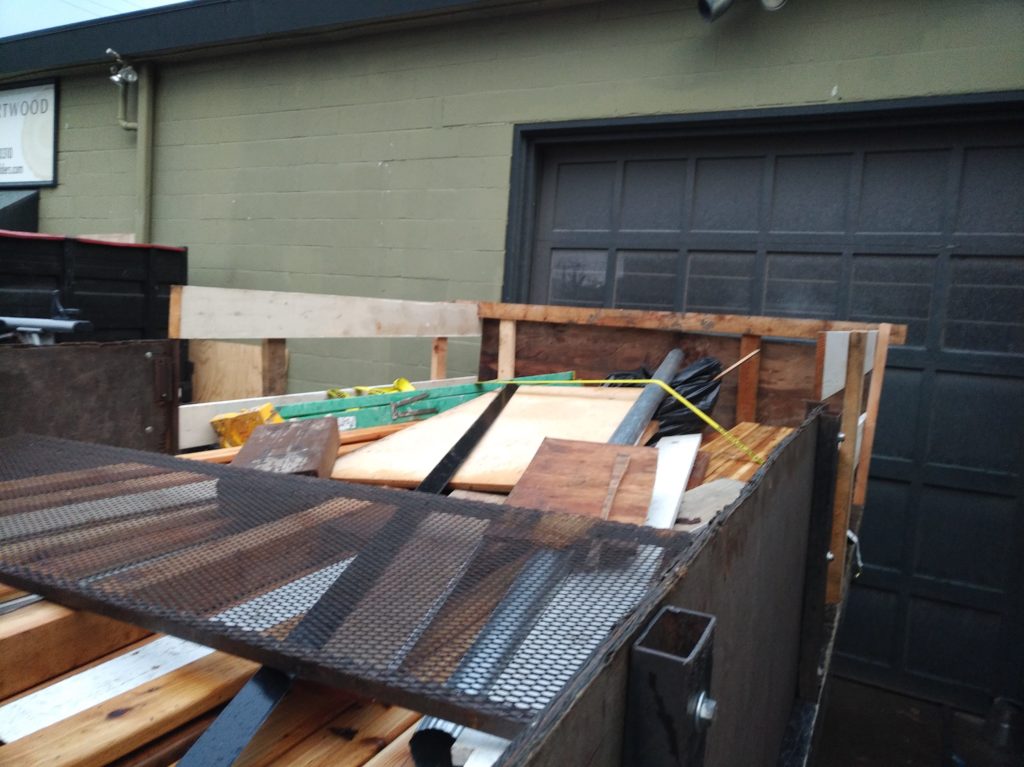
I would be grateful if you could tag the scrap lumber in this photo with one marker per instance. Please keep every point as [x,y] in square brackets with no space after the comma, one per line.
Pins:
[728,461]
[129,721]
[222,370]
[676,458]
[307,447]
[305,709]
[497,463]
[860,488]
[578,478]
[354,737]
[346,439]
[859,344]
[746,388]
[201,312]
[686,322]
[44,640]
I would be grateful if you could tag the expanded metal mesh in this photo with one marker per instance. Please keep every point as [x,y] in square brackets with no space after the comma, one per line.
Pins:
[477,612]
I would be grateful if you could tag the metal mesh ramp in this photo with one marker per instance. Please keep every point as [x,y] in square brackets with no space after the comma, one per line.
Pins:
[475,612]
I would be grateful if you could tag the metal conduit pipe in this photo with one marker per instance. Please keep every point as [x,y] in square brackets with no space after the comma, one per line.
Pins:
[636,420]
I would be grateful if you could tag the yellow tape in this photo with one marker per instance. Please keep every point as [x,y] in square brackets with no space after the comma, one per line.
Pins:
[734,441]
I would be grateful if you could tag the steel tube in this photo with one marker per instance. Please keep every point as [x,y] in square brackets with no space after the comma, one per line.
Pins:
[636,420]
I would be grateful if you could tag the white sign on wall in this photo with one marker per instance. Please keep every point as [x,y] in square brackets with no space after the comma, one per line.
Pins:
[28,120]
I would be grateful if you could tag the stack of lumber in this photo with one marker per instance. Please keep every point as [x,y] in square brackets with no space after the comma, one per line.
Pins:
[155,721]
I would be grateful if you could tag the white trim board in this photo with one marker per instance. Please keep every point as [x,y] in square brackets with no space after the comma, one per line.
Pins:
[229,313]
[194,428]
[837,349]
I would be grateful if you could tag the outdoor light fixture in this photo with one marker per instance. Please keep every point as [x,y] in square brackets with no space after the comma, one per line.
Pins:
[121,72]
[712,9]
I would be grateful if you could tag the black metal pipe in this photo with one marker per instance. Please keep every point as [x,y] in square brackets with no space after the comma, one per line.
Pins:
[636,420]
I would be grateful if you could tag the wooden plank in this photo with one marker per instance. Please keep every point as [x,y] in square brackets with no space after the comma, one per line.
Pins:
[352,738]
[308,447]
[274,366]
[44,640]
[174,313]
[676,458]
[860,487]
[689,322]
[847,465]
[439,357]
[576,477]
[699,471]
[223,370]
[229,313]
[474,495]
[749,376]
[129,721]
[535,412]
[396,754]
[506,350]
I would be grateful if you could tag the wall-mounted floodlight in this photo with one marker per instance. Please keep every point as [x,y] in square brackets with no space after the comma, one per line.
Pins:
[121,72]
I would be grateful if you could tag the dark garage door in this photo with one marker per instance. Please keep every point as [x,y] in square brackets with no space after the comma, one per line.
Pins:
[920,224]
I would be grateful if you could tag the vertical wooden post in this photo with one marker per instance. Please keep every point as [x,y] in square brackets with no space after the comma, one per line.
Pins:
[275,366]
[749,374]
[439,358]
[860,488]
[506,349]
[852,397]
[174,313]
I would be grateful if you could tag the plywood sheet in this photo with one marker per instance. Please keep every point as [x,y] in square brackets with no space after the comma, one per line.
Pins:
[533,413]
[223,371]
[586,478]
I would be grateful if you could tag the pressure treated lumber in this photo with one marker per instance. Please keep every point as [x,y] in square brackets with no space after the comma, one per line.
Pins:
[126,722]
[44,640]
[201,312]
[689,322]
[729,462]
[574,477]
[497,463]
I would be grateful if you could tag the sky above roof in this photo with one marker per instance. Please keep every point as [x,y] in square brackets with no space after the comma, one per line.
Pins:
[20,16]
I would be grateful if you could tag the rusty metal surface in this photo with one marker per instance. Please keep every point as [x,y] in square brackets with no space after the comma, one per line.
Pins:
[120,393]
[475,612]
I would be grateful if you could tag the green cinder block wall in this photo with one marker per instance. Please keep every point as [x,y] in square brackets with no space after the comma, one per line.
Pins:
[379,165]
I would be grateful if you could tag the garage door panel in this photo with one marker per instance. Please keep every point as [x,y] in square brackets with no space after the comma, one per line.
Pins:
[584,194]
[952,644]
[898,408]
[578,276]
[903,191]
[971,423]
[811,193]
[986,305]
[894,288]
[871,624]
[720,282]
[803,284]
[965,537]
[991,199]
[646,279]
[884,529]
[653,195]
[727,194]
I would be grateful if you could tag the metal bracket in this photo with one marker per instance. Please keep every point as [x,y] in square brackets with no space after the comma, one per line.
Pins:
[669,707]
[397,412]
[855,543]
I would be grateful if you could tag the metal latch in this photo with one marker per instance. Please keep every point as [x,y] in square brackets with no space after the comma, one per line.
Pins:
[669,704]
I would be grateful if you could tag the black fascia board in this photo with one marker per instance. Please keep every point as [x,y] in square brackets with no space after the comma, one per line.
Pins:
[204,24]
